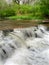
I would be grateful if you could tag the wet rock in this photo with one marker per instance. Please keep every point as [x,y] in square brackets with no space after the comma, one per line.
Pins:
[5,32]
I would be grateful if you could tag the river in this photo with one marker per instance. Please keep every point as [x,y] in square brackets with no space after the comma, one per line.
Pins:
[25,46]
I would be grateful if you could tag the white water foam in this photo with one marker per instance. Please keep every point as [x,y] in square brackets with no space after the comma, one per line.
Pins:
[27,46]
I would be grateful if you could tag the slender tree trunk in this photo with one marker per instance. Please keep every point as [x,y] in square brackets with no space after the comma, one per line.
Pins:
[28,1]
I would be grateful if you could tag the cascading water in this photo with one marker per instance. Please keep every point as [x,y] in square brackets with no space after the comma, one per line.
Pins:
[25,46]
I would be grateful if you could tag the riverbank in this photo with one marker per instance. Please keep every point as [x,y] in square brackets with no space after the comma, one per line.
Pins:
[11,24]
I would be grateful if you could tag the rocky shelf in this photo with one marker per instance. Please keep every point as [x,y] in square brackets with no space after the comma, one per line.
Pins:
[11,24]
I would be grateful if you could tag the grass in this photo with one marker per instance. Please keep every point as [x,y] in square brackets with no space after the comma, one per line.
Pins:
[25,17]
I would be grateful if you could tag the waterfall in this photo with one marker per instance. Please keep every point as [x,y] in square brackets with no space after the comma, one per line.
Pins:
[25,46]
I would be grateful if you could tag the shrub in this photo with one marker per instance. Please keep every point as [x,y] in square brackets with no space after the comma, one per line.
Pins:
[7,11]
[45,8]
[25,9]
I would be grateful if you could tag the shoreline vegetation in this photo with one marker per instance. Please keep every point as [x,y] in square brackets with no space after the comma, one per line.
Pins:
[25,12]
[14,11]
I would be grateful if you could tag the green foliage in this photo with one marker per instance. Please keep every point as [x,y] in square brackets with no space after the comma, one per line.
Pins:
[38,10]
[25,9]
[6,11]
[45,8]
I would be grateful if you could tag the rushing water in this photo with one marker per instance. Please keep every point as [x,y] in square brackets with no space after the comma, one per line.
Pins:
[25,46]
